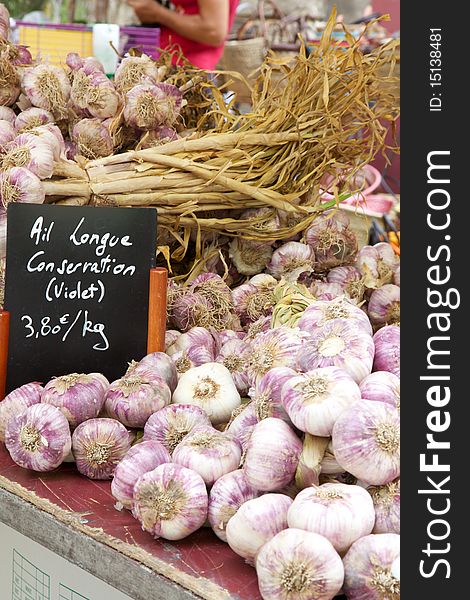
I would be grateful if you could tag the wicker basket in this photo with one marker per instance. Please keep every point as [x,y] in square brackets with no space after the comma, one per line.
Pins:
[244,57]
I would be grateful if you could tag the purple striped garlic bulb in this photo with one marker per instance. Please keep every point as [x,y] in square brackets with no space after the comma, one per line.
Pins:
[170,502]
[368,568]
[30,151]
[134,398]
[7,134]
[38,438]
[387,349]
[381,386]
[332,239]
[234,355]
[93,91]
[78,396]
[18,401]
[377,264]
[315,399]
[47,87]
[209,452]
[366,441]
[341,513]
[135,70]
[320,312]
[192,349]
[171,424]
[266,394]
[325,291]
[351,280]
[386,499]
[10,87]
[92,139]
[338,343]
[227,495]
[242,423]
[291,260]
[256,522]
[384,305]
[250,257]
[149,105]
[31,118]
[253,301]
[7,114]
[141,458]
[156,364]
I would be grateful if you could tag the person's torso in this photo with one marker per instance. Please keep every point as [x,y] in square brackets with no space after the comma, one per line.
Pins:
[201,55]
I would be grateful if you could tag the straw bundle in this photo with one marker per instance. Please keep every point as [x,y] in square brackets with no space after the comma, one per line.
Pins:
[327,114]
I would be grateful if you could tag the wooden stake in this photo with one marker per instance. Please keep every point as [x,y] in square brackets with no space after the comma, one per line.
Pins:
[4,334]
[157,310]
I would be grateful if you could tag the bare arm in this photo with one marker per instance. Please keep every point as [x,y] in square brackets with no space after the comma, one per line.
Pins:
[209,27]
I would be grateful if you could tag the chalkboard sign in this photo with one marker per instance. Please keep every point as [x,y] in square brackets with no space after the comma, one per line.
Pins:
[77,284]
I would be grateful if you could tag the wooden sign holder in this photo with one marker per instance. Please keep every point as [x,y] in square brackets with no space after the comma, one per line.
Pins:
[156,322]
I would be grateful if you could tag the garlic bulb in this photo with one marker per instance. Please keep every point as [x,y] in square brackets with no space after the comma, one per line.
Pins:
[31,118]
[47,87]
[299,565]
[266,395]
[9,81]
[384,305]
[252,301]
[256,522]
[234,355]
[367,568]
[211,387]
[242,423]
[381,386]
[78,396]
[226,335]
[38,438]
[386,499]
[18,184]
[261,325]
[366,441]
[92,139]
[171,335]
[274,348]
[192,349]
[98,446]
[149,105]
[157,137]
[30,151]
[315,399]
[141,458]
[387,349]
[291,260]
[7,134]
[227,494]
[333,240]
[396,276]
[170,502]
[16,402]
[171,424]
[51,133]
[338,343]
[156,364]
[320,312]
[249,257]
[208,452]
[272,455]
[351,280]
[132,399]
[342,513]
[93,91]
[213,289]
[135,70]
[7,114]
[377,264]
[323,290]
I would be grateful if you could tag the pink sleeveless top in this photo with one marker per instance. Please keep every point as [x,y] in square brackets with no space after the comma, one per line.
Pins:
[201,55]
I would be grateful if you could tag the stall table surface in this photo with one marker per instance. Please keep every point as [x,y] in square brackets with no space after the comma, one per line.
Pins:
[76,517]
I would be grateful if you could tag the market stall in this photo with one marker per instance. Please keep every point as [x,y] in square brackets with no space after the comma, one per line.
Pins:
[233,432]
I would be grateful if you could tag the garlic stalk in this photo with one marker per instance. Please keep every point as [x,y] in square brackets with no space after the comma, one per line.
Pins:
[299,565]
[291,260]
[320,312]
[134,398]
[38,438]
[384,305]
[339,343]
[366,441]
[381,386]
[170,502]
[211,387]
[16,402]
[227,495]
[266,394]
[315,399]
[309,467]
[171,424]
[386,499]
[272,455]
[368,568]
[208,452]
[329,464]
[78,396]
[256,522]
[98,446]
[141,458]
[387,349]
[341,513]
[18,184]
